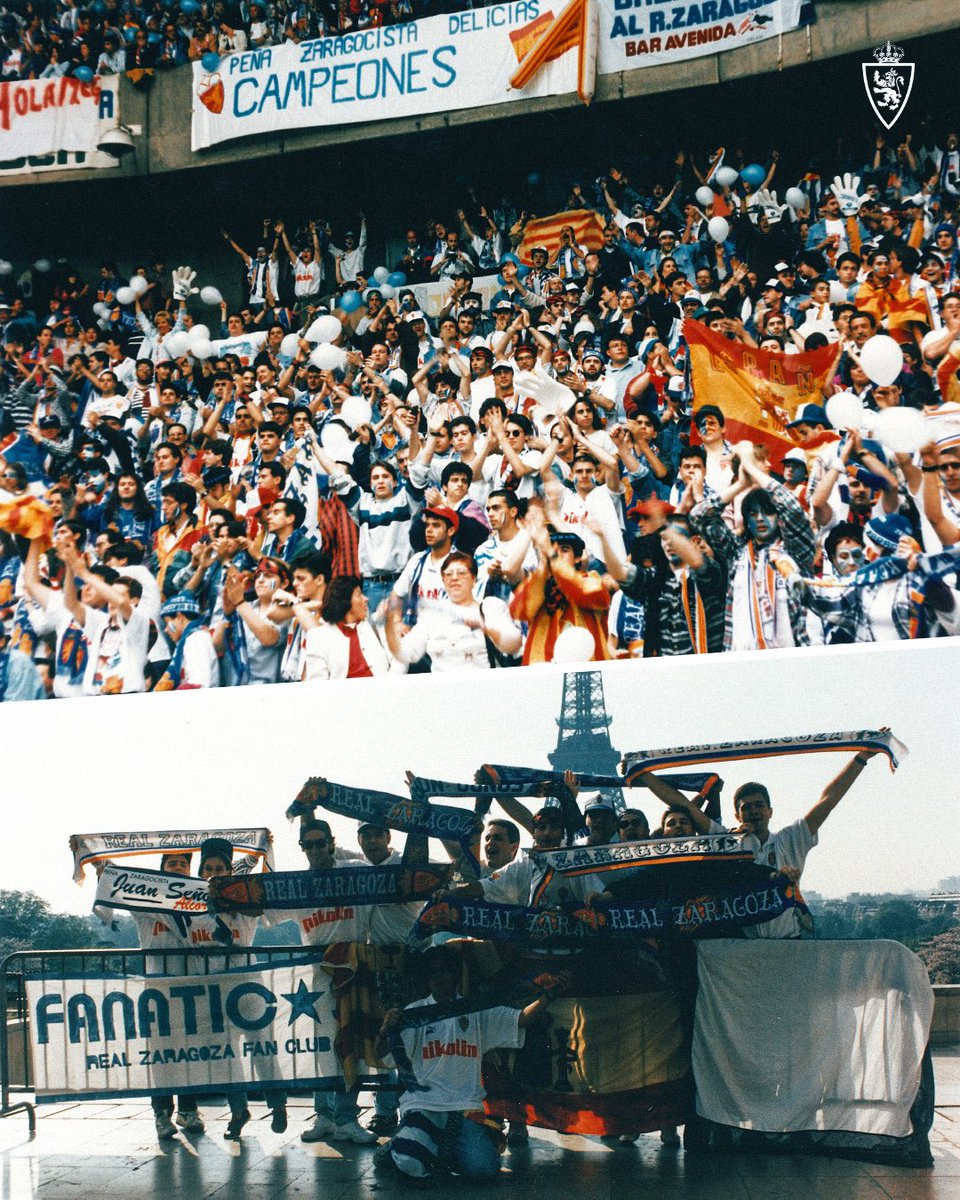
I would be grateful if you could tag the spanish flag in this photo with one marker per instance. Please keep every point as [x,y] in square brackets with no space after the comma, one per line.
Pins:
[27,517]
[758,391]
[547,39]
[892,302]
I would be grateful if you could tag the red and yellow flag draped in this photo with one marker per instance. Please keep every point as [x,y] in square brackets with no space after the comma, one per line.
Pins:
[545,231]
[758,391]
[547,39]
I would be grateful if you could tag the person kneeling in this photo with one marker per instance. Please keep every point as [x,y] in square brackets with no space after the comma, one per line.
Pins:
[441,1112]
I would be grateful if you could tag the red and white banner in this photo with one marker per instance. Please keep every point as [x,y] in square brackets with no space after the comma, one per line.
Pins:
[48,118]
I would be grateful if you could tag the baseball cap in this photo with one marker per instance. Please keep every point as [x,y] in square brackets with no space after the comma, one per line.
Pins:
[445,514]
[809,414]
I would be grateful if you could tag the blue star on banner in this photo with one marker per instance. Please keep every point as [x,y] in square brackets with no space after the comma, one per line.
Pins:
[302,1002]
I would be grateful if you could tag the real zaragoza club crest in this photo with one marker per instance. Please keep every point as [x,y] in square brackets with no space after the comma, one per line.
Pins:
[888,82]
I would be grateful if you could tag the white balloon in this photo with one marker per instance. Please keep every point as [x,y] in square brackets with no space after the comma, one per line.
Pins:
[5,267]
[201,347]
[42,265]
[573,645]
[199,333]
[882,359]
[101,309]
[177,343]
[718,228]
[381,274]
[335,439]
[903,430]
[329,358]
[324,329]
[795,198]
[210,295]
[126,295]
[387,291]
[138,285]
[845,411]
[290,345]
[356,411]
[726,176]
[704,196]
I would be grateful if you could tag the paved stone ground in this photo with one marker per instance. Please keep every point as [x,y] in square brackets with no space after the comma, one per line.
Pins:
[109,1151]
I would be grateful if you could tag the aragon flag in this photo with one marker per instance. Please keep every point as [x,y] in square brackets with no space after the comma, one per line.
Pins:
[758,391]
[545,231]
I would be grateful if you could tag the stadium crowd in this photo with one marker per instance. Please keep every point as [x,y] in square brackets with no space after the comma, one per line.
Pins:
[293,494]
[43,39]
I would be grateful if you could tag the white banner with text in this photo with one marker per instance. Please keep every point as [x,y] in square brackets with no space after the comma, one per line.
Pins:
[149,1035]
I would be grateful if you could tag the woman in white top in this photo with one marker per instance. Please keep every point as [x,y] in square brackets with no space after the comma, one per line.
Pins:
[586,424]
[345,645]
[455,636]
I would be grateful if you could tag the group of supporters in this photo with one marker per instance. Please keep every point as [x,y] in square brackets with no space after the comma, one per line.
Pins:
[441,1124]
[44,39]
[254,504]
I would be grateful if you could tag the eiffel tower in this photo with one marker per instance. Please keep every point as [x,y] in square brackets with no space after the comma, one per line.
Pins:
[583,737]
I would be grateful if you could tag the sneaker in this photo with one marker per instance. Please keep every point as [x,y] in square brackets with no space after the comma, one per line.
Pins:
[278,1122]
[669,1136]
[319,1131]
[190,1121]
[353,1131]
[517,1134]
[165,1127]
[236,1124]
[628,1139]
[383,1161]
[383,1126]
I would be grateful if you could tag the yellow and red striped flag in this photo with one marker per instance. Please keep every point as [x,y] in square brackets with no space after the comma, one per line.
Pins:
[547,39]
[27,517]
[587,228]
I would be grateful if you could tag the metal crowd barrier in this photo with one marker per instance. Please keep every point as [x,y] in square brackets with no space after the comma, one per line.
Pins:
[16,1069]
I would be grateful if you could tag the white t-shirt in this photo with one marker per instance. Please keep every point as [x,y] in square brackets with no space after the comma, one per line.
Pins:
[447,1056]
[200,667]
[115,651]
[498,472]
[787,847]
[430,590]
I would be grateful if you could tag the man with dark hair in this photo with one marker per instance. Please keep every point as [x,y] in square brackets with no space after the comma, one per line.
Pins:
[335,1114]
[786,850]
[174,540]
[683,594]
[301,607]
[286,537]
[383,516]
[501,844]
[437,1112]
[764,611]
[507,553]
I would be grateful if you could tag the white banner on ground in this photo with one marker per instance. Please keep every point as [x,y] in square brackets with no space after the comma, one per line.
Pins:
[845,1025]
[147,1035]
[644,33]
[55,124]
[440,64]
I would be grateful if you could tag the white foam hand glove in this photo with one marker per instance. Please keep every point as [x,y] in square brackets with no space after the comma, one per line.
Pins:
[183,278]
[846,189]
[767,201]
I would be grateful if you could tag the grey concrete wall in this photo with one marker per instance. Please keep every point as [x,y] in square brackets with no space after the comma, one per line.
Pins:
[843,27]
